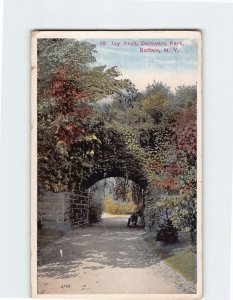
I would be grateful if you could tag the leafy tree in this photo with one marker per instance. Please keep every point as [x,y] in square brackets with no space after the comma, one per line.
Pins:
[177,201]
[158,87]
[68,85]
[54,53]
[170,160]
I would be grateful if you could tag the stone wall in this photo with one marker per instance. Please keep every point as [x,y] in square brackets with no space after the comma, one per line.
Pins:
[78,214]
[63,211]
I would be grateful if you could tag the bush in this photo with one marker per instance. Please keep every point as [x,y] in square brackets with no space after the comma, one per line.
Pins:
[116,208]
[167,233]
[95,212]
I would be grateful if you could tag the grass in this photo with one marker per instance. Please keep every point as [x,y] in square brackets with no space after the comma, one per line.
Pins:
[46,236]
[184,262]
[117,208]
[181,260]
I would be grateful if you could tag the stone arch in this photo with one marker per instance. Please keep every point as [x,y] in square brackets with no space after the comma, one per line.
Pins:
[67,210]
[136,177]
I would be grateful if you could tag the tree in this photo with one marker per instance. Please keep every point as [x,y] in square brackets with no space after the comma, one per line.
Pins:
[55,53]
[165,126]
[178,200]
[68,85]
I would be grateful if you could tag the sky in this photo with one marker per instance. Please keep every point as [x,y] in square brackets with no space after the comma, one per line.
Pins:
[174,67]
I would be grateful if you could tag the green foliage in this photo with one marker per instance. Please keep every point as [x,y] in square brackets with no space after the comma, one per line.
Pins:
[95,212]
[67,86]
[155,103]
[158,87]
[167,149]
[185,96]
[54,53]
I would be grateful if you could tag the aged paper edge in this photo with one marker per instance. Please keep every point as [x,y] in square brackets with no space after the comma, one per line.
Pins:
[113,34]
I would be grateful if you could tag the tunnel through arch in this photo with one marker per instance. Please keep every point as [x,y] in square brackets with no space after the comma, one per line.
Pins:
[115,197]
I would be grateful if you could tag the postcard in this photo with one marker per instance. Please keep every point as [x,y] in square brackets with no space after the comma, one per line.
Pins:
[116,164]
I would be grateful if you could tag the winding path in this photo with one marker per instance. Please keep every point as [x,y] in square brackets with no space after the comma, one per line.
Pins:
[107,259]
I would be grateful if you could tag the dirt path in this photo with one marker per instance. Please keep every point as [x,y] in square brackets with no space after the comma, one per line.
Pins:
[107,259]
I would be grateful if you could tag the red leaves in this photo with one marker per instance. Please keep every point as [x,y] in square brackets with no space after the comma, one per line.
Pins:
[66,86]
[70,134]
[186,131]
[83,112]
[187,138]
[172,169]
[167,183]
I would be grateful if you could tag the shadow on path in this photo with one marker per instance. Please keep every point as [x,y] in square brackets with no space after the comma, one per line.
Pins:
[110,243]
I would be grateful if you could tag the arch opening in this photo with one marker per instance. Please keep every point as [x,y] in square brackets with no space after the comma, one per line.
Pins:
[133,175]
[113,197]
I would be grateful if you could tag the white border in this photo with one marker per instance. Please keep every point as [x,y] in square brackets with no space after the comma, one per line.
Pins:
[1,46]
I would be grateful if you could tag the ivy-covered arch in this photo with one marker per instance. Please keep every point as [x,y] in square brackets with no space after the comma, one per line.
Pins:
[132,174]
